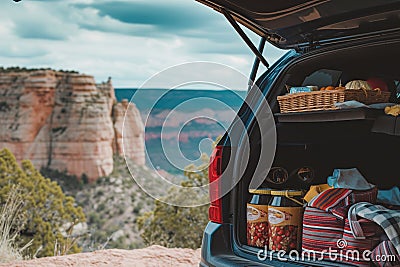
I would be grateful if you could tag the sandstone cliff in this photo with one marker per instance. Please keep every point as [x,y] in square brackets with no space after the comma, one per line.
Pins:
[134,146]
[66,121]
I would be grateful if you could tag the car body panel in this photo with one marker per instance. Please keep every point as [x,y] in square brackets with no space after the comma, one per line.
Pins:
[304,24]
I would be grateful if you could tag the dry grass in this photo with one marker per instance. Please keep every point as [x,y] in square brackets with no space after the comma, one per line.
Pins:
[9,251]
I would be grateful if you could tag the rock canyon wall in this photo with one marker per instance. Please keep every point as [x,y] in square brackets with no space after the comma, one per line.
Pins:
[66,121]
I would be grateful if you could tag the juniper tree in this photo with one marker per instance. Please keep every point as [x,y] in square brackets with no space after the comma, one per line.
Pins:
[46,212]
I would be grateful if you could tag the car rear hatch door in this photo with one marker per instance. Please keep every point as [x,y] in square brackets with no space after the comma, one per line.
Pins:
[312,24]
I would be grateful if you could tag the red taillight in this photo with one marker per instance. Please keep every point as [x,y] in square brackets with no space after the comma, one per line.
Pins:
[214,173]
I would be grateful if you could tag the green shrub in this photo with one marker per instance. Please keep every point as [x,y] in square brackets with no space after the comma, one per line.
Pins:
[47,209]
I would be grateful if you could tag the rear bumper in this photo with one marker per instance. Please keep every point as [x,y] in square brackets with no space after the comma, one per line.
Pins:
[218,249]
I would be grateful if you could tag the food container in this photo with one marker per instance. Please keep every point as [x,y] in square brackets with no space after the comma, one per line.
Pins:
[285,217]
[257,218]
[302,89]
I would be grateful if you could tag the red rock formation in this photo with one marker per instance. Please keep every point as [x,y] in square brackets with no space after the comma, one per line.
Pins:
[64,121]
[129,131]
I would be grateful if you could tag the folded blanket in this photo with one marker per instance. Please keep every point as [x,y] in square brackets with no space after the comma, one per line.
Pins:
[388,219]
[329,198]
[338,200]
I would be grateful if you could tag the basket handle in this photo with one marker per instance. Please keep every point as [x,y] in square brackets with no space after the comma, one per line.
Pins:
[379,90]
[365,92]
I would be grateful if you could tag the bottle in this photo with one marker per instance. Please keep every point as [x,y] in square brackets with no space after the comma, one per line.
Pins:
[285,217]
[257,217]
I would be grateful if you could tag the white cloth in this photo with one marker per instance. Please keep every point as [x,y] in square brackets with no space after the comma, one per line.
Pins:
[349,179]
[356,104]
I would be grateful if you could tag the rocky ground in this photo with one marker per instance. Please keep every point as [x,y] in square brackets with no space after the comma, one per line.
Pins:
[150,256]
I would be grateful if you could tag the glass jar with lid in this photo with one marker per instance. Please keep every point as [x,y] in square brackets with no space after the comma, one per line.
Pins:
[285,218]
[257,217]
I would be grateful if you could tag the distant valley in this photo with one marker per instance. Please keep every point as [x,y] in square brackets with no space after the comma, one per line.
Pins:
[178,122]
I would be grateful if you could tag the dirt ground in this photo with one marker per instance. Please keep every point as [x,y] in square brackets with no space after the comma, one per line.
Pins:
[150,256]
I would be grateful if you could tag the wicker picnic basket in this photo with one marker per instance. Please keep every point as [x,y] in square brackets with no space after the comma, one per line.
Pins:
[367,96]
[325,100]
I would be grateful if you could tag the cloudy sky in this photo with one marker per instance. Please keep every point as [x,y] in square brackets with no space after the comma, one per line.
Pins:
[129,40]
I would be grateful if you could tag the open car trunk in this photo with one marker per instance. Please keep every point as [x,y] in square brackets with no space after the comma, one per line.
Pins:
[305,24]
[362,138]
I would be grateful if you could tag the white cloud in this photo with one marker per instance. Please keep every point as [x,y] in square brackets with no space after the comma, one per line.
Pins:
[63,35]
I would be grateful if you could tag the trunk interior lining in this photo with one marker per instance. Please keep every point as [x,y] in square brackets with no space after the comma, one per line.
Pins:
[360,139]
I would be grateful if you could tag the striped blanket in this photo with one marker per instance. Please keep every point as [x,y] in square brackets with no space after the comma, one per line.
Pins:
[330,198]
[323,231]
[325,223]
[385,251]
[338,200]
